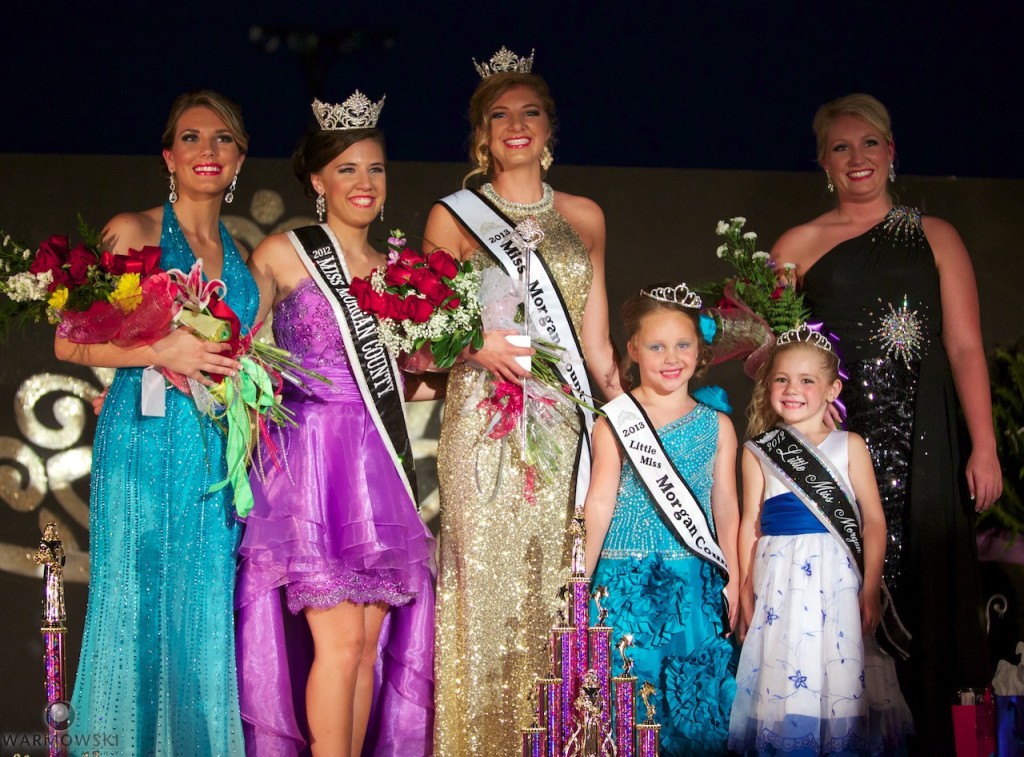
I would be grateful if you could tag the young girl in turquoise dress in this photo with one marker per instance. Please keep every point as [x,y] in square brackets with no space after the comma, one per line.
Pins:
[660,589]
[811,678]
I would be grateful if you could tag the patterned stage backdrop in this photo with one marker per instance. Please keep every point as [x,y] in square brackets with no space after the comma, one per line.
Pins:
[660,226]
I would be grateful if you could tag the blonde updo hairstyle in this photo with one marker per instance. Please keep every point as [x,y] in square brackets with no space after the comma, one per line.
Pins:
[639,306]
[226,110]
[488,91]
[761,416]
[860,105]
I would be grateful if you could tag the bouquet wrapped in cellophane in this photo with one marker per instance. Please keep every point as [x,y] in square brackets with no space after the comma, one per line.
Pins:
[94,296]
[753,305]
[434,303]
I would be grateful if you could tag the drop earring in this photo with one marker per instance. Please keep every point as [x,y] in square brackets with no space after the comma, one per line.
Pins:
[173,196]
[546,158]
[230,196]
[830,186]
[892,172]
[382,212]
[321,207]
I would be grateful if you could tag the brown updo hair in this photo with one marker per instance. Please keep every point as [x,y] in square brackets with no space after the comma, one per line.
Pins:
[858,104]
[640,305]
[487,92]
[226,110]
[318,147]
[761,416]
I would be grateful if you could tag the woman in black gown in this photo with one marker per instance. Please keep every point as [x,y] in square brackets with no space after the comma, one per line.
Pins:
[898,290]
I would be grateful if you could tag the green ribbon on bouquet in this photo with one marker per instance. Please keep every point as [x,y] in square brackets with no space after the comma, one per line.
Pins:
[251,390]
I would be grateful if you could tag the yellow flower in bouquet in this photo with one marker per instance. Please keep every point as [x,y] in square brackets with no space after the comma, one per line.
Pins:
[59,298]
[127,295]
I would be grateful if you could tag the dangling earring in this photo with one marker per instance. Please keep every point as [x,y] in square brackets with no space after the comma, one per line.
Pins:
[830,186]
[173,196]
[546,158]
[382,211]
[892,172]
[321,207]
[230,196]
[485,160]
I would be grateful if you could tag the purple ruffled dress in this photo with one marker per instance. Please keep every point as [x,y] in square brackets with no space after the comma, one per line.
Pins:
[332,524]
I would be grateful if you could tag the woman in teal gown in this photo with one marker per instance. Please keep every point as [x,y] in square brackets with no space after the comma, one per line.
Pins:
[157,668]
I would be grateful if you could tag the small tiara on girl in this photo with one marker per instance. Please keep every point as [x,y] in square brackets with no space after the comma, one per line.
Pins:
[804,333]
[677,295]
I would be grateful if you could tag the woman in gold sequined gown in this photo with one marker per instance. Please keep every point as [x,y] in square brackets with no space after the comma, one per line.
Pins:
[502,558]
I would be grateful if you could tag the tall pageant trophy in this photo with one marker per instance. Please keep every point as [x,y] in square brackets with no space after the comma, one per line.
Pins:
[51,556]
[581,710]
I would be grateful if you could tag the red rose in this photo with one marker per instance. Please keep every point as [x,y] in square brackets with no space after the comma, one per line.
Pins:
[443,264]
[80,259]
[52,254]
[429,285]
[726,304]
[410,258]
[453,303]
[417,309]
[361,290]
[220,309]
[778,292]
[389,306]
[397,274]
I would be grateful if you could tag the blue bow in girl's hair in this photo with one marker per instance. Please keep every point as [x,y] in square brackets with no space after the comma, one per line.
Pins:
[708,327]
[714,397]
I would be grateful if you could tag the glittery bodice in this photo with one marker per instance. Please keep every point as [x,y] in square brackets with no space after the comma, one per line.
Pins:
[857,284]
[636,528]
[502,557]
[562,250]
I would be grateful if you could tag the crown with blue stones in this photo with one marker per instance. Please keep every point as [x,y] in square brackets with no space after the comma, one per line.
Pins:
[504,62]
[804,333]
[677,295]
[357,112]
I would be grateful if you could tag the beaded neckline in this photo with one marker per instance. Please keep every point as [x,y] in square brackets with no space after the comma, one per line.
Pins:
[546,202]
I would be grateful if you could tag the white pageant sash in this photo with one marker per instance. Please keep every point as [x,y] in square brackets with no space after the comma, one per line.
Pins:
[373,366]
[669,490]
[496,235]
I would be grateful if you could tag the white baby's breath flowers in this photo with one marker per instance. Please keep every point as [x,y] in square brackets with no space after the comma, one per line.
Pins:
[760,256]
[722,228]
[722,249]
[750,235]
[789,266]
[737,221]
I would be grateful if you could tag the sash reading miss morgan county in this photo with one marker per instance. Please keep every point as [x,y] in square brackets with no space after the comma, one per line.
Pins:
[373,366]
[810,476]
[495,233]
[669,490]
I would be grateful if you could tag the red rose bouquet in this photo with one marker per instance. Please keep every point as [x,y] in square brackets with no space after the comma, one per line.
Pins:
[95,296]
[423,299]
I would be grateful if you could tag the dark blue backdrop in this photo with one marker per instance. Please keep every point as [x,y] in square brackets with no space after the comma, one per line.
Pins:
[695,85]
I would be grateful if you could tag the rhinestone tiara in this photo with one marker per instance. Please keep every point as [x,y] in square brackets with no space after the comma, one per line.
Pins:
[677,295]
[804,333]
[503,62]
[357,112]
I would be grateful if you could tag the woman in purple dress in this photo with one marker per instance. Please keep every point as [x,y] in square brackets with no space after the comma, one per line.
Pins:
[334,533]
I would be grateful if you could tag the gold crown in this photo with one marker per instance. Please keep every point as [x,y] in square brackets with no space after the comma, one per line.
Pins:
[804,333]
[677,295]
[357,112]
[503,62]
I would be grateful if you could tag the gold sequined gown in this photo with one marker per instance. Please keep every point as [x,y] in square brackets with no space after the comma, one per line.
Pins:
[502,559]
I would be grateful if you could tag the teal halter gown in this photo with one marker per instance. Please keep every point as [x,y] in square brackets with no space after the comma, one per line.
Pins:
[157,669]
